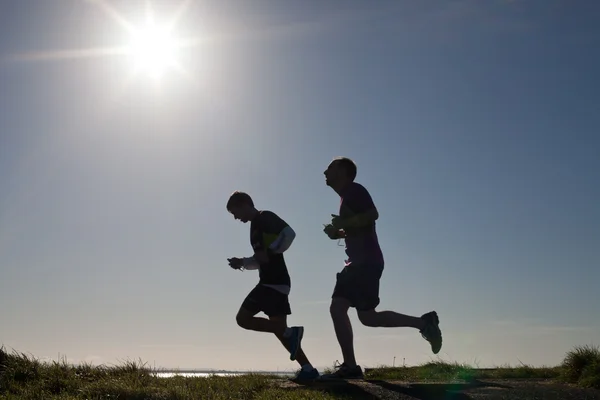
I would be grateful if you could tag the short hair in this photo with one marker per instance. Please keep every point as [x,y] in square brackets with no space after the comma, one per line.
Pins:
[348,165]
[238,198]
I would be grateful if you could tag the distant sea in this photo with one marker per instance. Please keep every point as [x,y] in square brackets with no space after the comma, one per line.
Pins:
[204,374]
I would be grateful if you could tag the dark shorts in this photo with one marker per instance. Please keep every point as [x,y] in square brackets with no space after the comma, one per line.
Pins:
[360,285]
[268,300]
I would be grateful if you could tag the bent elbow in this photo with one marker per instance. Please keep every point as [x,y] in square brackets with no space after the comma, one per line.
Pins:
[374,214]
[285,240]
[290,234]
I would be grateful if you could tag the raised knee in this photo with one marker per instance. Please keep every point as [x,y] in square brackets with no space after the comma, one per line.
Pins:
[334,309]
[241,320]
[368,318]
[338,308]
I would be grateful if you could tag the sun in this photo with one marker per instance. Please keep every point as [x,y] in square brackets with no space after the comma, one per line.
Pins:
[151,46]
[152,50]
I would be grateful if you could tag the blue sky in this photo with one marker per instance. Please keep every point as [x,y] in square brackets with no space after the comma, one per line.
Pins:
[474,125]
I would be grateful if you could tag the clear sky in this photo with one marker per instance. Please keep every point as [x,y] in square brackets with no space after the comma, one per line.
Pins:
[475,126]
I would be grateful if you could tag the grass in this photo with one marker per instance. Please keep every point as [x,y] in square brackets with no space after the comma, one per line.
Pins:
[23,377]
[450,372]
[581,366]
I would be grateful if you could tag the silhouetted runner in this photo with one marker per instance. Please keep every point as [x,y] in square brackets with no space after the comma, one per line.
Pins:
[270,236]
[357,285]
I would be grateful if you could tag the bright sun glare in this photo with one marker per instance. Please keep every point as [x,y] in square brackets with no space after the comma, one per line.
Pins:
[152,50]
[151,47]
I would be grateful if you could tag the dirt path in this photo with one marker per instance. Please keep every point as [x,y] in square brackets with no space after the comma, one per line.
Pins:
[489,390]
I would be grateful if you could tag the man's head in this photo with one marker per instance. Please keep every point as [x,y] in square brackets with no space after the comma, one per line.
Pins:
[340,172]
[241,206]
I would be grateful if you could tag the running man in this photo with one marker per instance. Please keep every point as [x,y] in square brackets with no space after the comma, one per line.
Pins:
[270,236]
[357,284]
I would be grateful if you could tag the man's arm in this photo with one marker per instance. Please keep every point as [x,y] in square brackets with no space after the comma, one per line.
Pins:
[333,232]
[356,221]
[250,263]
[284,240]
[274,225]
[270,224]
[360,202]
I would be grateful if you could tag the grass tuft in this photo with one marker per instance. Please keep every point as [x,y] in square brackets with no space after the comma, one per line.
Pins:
[431,371]
[439,371]
[582,366]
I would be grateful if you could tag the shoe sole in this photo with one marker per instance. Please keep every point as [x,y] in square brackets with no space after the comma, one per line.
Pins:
[437,325]
[436,321]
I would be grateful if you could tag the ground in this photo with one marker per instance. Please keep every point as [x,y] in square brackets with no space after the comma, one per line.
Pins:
[520,389]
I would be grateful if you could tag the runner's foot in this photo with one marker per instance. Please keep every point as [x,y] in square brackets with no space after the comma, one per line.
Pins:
[342,371]
[431,332]
[305,375]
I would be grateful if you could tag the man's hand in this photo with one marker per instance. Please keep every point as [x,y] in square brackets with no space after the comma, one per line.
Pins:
[338,222]
[261,256]
[332,232]
[236,263]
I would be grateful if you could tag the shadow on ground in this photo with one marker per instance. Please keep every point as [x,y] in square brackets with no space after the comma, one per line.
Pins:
[434,391]
[378,389]
[342,389]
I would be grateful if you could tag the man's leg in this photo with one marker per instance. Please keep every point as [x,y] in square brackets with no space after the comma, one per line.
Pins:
[343,328]
[365,280]
[271,302]
[342,299]
[255,302]
[300,356]
[246,318]
[427,324]
[389,319]
[307,372]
